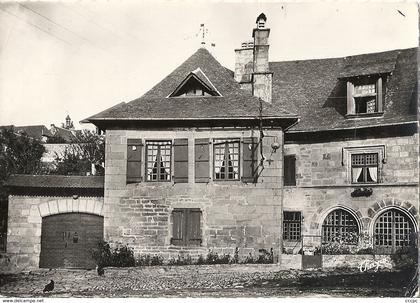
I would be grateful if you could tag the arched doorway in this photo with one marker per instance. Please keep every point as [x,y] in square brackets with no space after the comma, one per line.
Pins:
[340,226]
[67,240]
[393,230]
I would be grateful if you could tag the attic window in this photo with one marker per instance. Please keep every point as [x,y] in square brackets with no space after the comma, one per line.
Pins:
[194,86]
[364,96]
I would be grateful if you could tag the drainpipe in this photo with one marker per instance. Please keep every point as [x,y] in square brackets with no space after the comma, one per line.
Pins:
[281,199]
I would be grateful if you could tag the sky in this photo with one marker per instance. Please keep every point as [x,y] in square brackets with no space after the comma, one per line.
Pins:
[79,58]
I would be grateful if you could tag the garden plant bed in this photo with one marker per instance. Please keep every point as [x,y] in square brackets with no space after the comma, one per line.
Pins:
[207,281]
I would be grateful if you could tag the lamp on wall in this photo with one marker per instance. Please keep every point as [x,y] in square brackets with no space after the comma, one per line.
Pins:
[275,145]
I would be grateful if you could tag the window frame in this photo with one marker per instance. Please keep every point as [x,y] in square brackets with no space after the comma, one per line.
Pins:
[387,231]
[288,235]
[347,153]
[354,99]
[150,142]
[224,141]
[365,167]
[339,227]
[185,241]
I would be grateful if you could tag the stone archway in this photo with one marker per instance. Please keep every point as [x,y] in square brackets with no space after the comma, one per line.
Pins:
[393,228]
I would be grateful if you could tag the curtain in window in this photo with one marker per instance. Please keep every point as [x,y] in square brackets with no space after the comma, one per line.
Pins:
[373,171]
[219,157]
[233,160]
[357,171]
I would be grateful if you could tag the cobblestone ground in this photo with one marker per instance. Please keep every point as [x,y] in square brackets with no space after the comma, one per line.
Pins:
[192,281]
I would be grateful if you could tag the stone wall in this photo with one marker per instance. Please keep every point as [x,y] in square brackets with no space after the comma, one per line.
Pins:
[234,214]
[24,226]
[324,182]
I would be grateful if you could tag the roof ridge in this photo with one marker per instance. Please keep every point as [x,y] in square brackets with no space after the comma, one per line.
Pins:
[349,56]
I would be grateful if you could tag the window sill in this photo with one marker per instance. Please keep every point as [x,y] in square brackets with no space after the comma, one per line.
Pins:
[364,115]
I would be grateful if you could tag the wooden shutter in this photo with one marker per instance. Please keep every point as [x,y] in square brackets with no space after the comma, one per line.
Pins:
[134,160]
[193,227]
[379,100]
[177,227]
[202,171]
[250,160]
[290,170]
[351,105]
[181,160]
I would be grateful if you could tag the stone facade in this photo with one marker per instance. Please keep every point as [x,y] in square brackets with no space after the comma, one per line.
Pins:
[24,226]
[234,213]
[323,181]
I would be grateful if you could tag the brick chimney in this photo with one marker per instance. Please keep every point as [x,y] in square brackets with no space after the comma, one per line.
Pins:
[251,66]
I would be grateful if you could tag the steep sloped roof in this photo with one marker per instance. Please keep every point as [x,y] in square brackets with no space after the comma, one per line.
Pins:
[34,131]
[315,89]
[155,105]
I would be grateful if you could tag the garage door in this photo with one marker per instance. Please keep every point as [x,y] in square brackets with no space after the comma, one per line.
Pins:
[67,240]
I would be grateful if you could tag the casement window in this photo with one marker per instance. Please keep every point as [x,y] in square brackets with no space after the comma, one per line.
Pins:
[158,161]
[289,168]
[292,221]
[393,230]
[226,159]
[364,164]
[186,229]
[364,96]
[340,226]
[364,168]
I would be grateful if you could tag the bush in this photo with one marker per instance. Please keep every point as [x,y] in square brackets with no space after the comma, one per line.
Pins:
[265,257]
[102,254]
[147,260]
[181,260]
[122,256]
[406,257]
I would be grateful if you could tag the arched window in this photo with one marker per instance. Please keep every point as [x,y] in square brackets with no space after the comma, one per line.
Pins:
[393,230]
[340,226]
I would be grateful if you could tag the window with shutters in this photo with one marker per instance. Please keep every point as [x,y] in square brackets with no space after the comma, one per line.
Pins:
[226,159]
[186,229]
[364,96]
[289,170]
[292,225]
[158,161]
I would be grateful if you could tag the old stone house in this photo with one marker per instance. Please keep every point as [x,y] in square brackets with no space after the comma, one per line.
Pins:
[268,156]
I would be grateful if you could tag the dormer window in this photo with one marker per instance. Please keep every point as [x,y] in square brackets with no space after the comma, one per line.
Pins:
[196,84]
[364,96]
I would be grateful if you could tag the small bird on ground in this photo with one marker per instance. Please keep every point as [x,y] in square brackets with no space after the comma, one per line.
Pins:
[100,270]
[49,286]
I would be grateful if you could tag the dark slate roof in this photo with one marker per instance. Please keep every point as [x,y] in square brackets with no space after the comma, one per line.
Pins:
[34,131]
[66,134]
[154,104]
[55,181]
[316,91]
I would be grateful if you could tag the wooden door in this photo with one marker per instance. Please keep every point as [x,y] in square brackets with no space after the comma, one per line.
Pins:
[67,240]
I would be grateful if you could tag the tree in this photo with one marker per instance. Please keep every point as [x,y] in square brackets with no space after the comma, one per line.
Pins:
[85,154]
[19,154]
